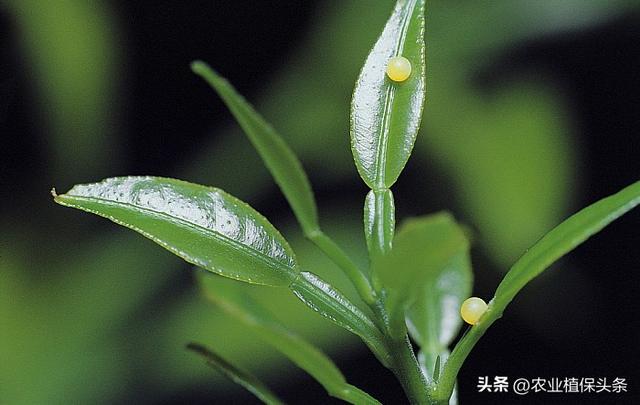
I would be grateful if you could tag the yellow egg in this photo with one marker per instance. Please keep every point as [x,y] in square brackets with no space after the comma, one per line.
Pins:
[398,69]
[472,309]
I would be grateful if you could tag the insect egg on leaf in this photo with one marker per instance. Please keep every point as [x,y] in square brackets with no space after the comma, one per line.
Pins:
[398,68]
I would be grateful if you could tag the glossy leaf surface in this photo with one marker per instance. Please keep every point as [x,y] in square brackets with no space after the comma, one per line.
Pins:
[203,225]
[385,116]
[340,37]
[285,168]
[330,303]
[429,255]
[235,374]
[283,164]
[379,221]
[229,296]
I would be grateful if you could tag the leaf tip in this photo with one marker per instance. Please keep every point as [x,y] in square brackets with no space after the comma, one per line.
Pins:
[201,68]
[209,74]
[436,369]
[197,66]
[58,198]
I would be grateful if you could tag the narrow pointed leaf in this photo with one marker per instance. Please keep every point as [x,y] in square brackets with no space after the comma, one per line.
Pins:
[424,250]
[431,363]
[203,225]
[555,244]
[563,239]
[228,295]
[283,164]
[237,375]
[287,171]
[385,115]
[330,303]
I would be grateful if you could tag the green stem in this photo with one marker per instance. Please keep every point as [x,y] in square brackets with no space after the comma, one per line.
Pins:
[407,371]
[339,257]
[404,363]
[449,374]
[379,227]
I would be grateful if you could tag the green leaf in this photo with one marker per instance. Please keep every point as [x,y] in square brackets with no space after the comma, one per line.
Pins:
[283,164]
[330,303]
[385,116]
[555,244]
[431,363]
[564,238]
[287,171]
[379,221]
[434,318]
[229,296]
[427,251]
[240,377]
[203,225]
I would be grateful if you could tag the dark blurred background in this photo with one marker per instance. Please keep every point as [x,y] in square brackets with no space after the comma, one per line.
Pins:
[532,113]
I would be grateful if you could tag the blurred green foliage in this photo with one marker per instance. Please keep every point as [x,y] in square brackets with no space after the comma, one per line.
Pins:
[79,322]
[73,58]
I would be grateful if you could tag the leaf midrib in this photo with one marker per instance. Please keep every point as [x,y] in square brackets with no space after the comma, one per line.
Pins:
[383,139]
[271,262]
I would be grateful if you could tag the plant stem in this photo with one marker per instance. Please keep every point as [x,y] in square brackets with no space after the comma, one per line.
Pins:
[339,257]
[407,371]
[379,220]
[404,363]
[444,388]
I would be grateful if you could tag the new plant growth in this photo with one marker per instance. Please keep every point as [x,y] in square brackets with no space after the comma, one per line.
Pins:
[419,279]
